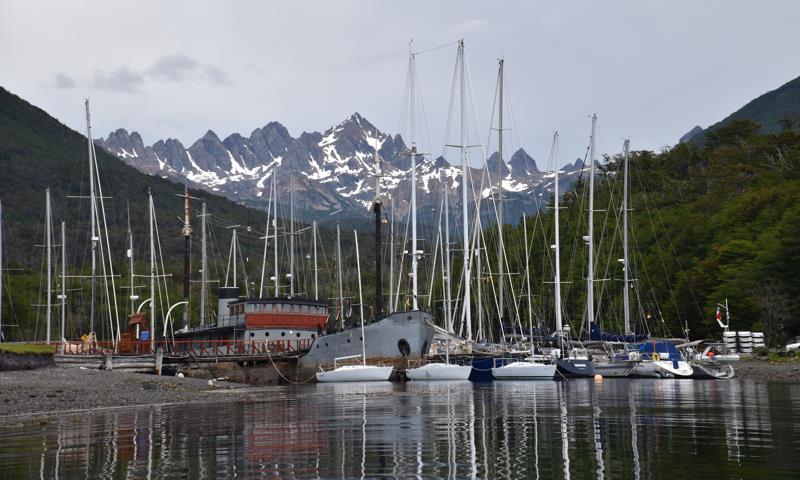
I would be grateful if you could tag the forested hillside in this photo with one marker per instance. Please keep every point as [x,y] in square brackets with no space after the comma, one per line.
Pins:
[708,222]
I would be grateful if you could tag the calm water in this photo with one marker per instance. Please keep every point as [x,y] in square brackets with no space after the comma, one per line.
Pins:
[575,429]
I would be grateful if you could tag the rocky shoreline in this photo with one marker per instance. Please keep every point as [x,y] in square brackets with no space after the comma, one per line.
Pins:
[63,389]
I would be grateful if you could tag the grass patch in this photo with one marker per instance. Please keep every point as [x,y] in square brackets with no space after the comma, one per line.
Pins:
[775,358]
[22,348]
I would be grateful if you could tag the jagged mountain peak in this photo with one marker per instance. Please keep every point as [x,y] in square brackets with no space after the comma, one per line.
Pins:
[523,164]
[210,136]
[335,168]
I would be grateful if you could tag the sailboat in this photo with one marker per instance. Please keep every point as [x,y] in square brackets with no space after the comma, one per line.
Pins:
[446,370]
[356,373]
[575,362]
[715,360]
[611,363]
[429,371]
[661,359]
[527,369]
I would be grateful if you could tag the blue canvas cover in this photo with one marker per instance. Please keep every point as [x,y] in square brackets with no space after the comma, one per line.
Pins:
[647,349]
[596,334]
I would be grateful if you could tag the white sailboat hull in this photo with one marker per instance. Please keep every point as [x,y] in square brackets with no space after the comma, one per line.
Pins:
[439,371]
[713,371]
[524,371]
[661,368]
[356,373]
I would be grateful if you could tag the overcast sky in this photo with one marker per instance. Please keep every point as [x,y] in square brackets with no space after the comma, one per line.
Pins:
[650,69]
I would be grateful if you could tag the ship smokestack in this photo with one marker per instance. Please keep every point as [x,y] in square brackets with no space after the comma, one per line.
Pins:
[378,239]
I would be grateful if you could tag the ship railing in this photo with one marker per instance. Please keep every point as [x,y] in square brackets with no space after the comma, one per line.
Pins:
[196,348]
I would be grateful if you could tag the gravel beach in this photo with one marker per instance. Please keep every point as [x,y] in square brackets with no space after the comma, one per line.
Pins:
[788,371]
[59,388]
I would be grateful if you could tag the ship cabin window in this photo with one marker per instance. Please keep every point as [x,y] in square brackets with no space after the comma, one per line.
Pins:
[267,308]
[283,334]
[266,334]
[298,334]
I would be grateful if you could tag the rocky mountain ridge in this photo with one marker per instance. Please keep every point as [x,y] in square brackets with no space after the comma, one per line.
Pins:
[329,171]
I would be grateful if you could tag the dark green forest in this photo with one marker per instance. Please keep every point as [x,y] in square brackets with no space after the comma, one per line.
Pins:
[709,222]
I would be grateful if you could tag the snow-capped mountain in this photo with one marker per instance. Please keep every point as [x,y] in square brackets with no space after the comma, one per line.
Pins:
[329,171]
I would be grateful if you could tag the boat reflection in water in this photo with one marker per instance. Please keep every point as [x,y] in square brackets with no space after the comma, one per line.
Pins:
[577,429]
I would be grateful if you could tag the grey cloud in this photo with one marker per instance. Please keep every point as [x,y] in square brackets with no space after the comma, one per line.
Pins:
[172,68]
[216,76]
[122,80]
[180,67]
[63,81]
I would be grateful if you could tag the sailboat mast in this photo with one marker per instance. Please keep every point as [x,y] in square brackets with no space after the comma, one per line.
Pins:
[360,302]
[132,298]
[49,240]
[445,307]
[378,238]
[480,334]
[391,256]
[464,196]
[339,273]
[291,235]
[63,296]
[590,236]
[414,264]
[448,292]
[528,278]
[275,230]
[94,237]
[500,217]
[152,273]
[233,256]
[625,294]
[316,270]
[203,266]
[264,253]
[187,257]
[557,249]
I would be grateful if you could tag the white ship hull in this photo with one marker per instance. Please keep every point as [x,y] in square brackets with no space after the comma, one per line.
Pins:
[400,334]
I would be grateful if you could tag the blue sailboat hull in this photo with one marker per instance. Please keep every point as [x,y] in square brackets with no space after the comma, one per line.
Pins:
[573,367]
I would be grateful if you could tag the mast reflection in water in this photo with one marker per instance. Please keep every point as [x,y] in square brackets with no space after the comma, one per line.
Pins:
[575,429]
